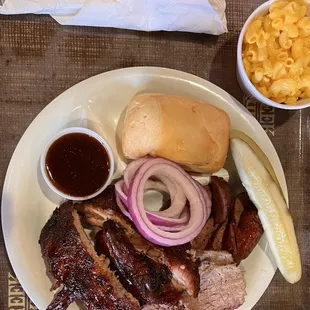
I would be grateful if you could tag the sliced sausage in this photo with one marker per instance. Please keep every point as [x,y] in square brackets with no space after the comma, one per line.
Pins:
[238,207]
[208,189]
[229,239]
[201,241]
[222,199]
[217,238]
[249,231]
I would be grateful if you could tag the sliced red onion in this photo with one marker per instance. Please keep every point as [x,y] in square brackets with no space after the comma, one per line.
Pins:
[175,225]
[121,191]
[122,207]
[132,168]
[159,168]
[157,217]
[177,197]
[172,228]
[156,185]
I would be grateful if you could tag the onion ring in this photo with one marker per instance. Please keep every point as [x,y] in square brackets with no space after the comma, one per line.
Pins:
[178,224]
[156,167]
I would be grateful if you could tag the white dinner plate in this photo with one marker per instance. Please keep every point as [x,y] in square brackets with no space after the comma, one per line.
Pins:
[99,103]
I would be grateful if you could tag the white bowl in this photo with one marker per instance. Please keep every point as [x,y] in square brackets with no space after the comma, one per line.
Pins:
[65,132]
[243,80]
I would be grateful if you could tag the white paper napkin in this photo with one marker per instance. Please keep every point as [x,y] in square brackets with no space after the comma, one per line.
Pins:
[205,16]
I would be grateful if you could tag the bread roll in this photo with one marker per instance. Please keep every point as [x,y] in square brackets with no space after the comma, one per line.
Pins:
[191,133]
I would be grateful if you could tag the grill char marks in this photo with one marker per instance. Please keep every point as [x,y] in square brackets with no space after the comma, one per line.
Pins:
[183,267]
[75,265]
[102,208]
[184,270]
[156,274]
[146,279]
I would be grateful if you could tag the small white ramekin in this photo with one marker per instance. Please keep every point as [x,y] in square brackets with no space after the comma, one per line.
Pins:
[65,132]
[243,80]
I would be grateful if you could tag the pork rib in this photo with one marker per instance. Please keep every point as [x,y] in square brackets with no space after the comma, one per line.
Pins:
[73,262]
[181,264]
[146,279]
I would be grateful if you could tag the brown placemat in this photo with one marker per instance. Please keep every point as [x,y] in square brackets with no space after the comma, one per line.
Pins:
[39,59]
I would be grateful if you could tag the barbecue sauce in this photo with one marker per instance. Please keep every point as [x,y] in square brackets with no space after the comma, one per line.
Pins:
[77,164]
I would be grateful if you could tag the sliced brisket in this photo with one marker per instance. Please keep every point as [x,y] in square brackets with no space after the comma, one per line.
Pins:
[222,286]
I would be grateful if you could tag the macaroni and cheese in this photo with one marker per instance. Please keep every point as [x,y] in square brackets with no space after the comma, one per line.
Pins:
[276,52]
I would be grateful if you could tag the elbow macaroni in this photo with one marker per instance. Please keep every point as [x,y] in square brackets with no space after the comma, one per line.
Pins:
[276,52]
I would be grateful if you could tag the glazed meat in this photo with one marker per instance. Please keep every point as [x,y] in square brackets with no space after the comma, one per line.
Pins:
[129,268]
[222,199]
[146,279]
[183,266]
[75,265]
[102,208]
[178,259]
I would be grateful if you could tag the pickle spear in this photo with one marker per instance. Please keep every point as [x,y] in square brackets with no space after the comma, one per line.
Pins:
[273,212]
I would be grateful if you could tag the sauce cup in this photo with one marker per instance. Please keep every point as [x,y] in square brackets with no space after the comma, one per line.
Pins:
[90,133]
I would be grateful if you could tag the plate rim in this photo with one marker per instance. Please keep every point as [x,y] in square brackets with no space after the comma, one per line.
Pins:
[148,70]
